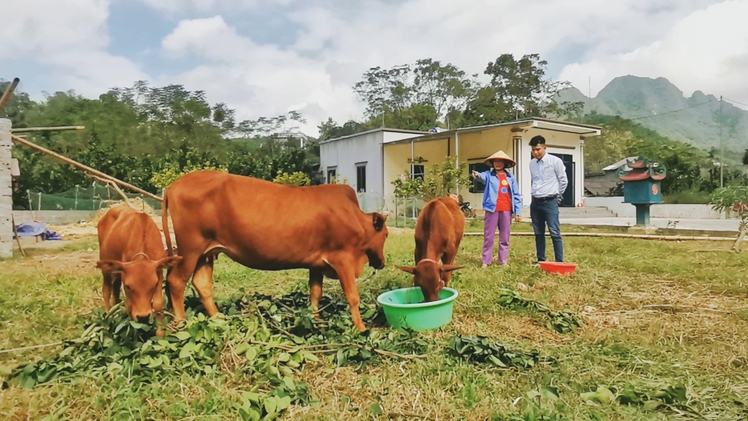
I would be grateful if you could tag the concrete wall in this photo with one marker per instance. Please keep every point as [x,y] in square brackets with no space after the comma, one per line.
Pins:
[6,190]
[627,210]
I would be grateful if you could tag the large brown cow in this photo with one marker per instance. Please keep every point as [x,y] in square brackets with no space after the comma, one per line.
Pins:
[439,231]
[131,254]
[269,226]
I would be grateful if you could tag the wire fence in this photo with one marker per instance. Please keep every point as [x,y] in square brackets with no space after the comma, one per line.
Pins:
[92,198]
[402,211]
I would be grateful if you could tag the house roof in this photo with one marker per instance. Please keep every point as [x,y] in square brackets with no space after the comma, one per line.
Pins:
[619,164]
[533,122]
[382,129]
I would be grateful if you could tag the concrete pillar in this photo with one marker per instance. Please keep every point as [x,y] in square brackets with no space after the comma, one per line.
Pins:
[6,190]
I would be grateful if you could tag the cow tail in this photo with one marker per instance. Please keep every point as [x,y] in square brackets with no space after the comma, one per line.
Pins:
[165,223]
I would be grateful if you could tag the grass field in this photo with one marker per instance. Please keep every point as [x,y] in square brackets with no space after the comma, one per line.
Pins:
[664,334]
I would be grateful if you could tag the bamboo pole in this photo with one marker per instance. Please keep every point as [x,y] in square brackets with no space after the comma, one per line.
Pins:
[614,235]
[45,129]
[83,167]
[8,93]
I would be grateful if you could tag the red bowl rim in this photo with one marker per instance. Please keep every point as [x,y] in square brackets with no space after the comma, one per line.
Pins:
[558,264]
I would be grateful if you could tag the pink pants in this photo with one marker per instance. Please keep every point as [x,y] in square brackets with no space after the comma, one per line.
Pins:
[491,219]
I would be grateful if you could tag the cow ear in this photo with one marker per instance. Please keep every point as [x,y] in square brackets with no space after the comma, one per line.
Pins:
[168,262]
[450,268]
[378,220]
[409,269]
[110,266]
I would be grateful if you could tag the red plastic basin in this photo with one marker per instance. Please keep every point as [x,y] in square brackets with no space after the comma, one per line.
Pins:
[560,268]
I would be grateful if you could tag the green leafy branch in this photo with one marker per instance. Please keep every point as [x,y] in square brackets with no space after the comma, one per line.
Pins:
[560,321]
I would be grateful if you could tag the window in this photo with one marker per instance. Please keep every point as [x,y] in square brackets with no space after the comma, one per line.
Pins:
[361,177]
[332,172]
[416,171]
[477,186]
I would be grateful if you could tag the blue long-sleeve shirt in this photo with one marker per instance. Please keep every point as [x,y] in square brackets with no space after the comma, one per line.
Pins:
[548,176]
[491,193]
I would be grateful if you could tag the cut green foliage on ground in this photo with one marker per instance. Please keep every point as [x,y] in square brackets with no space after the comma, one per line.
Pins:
[561,321]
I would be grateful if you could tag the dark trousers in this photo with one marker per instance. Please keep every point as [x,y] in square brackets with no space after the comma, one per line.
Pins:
[545,212]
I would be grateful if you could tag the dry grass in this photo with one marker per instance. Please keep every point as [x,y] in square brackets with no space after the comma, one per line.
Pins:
[656,315]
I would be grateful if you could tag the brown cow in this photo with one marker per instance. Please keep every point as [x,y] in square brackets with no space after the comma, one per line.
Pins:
[269,226]
[439,231]
[132,255]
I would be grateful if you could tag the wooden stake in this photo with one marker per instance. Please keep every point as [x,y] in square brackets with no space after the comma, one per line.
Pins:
[116,188]
[15,232]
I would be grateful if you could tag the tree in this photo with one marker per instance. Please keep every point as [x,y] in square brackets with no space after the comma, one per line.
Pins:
[736,199]
[611,146]
[414,96]
[518,88]
[745,157]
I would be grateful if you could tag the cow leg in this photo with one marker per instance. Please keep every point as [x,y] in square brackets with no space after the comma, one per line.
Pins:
[418,254]
[158,306]
[176,282]
[315,290]
[117,283]
[350,289]
[106,291]
[448,258]
[203,282]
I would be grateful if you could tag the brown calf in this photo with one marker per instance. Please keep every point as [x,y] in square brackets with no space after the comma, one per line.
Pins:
[439,230]
[132,255]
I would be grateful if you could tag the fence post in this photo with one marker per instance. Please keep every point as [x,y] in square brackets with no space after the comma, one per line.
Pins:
[6,190]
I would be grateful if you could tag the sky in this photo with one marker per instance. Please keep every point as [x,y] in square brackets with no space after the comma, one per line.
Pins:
[268,57]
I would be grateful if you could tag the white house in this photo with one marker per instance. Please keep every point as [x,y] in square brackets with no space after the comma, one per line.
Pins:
[372,160]
[358,159]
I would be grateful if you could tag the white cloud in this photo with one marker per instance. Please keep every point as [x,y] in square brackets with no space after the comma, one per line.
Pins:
[338,41]
[697,44]
[184,7]
[706,50]
[68,37]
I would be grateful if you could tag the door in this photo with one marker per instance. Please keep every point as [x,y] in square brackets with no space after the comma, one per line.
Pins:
[568,196]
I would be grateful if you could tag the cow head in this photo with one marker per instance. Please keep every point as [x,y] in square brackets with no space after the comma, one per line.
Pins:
[140,281]
[430,276]
[375,244]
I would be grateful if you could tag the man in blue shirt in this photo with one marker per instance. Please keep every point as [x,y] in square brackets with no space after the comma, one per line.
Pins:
[548,175]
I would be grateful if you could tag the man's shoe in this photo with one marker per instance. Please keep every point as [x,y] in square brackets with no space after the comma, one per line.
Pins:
[484,266]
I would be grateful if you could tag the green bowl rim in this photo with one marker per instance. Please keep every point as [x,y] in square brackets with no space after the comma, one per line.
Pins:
[418,305]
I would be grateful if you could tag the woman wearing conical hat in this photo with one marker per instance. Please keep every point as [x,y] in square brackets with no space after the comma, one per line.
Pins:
[501,200]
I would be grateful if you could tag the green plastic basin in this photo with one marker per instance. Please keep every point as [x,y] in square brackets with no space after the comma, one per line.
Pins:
[404,307]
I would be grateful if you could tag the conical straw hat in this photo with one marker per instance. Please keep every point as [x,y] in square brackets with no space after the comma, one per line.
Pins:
[500,155]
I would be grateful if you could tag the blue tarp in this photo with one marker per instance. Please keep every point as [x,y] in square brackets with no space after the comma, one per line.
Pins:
[32,229]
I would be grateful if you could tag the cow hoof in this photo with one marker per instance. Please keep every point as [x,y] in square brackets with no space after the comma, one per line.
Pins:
[160,333]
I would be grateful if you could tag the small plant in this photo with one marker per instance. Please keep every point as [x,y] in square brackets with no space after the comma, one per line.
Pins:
[171,173]
[297,178]
[733,198]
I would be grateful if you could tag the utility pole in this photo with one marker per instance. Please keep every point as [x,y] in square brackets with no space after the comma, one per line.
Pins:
[721,148]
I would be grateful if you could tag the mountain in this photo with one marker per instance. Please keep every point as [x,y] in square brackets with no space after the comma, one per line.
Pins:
[659,105]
